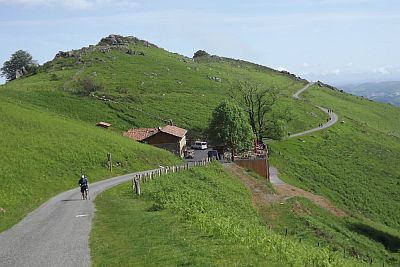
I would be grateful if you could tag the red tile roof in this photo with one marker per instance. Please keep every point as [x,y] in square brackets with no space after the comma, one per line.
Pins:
[175,131]
[140,134]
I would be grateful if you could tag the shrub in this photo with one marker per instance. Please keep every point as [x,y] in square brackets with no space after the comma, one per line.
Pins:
[89,86]
[200,53]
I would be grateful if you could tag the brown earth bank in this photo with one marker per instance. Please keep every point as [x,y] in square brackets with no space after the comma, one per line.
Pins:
[262,194]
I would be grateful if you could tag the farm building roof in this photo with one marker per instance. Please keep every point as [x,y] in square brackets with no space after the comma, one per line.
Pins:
[175,131]
[141,134]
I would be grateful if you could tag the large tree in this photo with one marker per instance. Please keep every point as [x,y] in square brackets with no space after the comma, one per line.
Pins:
[229,126]
[18,61]
[257,101]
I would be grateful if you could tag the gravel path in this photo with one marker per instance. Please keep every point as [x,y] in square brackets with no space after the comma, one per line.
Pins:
[57,233]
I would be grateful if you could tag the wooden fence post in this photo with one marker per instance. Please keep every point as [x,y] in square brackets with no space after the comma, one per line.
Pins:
[137,185]
[133,185]
[109,158]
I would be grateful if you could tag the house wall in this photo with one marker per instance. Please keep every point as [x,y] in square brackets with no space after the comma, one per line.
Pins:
[259,165]
[171,147]
[168,142]
[162,138]
[182,144]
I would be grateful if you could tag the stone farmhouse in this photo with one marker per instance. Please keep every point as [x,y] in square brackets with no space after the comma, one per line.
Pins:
[169,137]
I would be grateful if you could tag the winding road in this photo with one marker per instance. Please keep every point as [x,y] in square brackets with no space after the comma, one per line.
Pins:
[57,233]
[333,118]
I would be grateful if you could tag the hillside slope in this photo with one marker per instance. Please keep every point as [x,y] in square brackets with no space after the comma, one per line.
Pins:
[200,217]
[44,154]
[354,164]
[136,84]
[132,83]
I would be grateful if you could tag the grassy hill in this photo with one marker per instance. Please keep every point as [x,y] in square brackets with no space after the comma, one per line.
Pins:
[136,84]
[44,154]
[200,217]
[354,164]
[148,89]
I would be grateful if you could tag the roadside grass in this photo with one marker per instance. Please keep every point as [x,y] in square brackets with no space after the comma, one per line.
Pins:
[203,216]
[44,154]
[134,233]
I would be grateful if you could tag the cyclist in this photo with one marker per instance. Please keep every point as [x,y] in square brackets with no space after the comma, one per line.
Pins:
[83,183]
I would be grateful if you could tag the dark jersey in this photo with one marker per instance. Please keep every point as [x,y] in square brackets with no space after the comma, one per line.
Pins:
[83,182]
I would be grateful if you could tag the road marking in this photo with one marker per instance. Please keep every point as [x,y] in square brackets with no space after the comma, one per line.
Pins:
[81,215]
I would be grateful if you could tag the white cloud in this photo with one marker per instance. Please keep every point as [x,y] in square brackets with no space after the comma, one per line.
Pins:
[382,70]
[73,4]
[306,65]
[79,4]
[336,71]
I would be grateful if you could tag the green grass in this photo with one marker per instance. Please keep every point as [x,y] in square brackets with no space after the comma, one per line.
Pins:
[354,164]
[44,154]
[200,217]
[304,220]
[49,139]
[161,84]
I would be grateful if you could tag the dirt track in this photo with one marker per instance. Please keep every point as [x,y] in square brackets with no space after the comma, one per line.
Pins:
[262,194]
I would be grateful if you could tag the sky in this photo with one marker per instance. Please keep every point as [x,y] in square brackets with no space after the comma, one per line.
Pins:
[335,41]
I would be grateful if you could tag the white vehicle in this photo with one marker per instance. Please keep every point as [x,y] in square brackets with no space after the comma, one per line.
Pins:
[199,145]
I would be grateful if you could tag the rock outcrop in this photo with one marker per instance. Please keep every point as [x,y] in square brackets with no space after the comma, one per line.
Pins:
[20,72]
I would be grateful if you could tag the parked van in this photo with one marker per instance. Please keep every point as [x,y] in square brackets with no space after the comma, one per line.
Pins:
[199,145]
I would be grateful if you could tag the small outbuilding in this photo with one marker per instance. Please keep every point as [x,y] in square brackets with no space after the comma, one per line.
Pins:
[169,137]
[103,124]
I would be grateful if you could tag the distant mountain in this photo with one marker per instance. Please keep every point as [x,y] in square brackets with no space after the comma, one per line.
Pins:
[388,92]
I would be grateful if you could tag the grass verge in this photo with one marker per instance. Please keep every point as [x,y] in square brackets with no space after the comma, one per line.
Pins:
[199,217]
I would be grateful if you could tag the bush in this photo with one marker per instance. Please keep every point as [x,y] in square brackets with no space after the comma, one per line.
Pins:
[89,86]
[276,129]
[200,53]
[54,77]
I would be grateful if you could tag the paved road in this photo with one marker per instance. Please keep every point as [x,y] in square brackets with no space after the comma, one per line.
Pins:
[273,176]
[297,94]
[199,155]
[57,233]
[333,117]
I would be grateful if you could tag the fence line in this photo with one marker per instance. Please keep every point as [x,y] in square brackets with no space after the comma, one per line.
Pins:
[147,176]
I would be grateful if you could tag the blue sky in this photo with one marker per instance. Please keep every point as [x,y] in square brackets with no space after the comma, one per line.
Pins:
[336,41]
